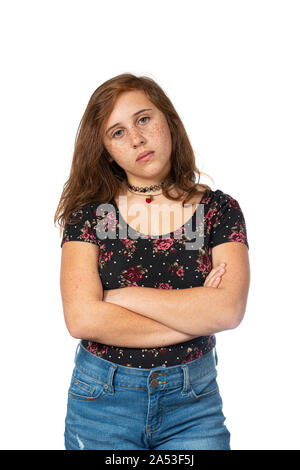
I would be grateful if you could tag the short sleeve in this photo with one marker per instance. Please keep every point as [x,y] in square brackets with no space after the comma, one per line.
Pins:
[228,222]
[83,228]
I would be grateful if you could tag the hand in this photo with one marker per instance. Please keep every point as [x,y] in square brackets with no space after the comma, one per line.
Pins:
[215,276]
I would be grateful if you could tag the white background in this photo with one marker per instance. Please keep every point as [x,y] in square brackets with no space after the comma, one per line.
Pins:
[231,69]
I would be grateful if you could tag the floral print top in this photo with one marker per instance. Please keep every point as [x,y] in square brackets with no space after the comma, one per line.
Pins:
[159,262]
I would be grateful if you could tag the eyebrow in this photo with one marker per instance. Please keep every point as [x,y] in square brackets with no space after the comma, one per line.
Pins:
[135,114]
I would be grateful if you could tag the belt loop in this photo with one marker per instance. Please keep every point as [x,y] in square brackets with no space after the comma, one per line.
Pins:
[110,376]
[216,356]
[76,352]
[186,380]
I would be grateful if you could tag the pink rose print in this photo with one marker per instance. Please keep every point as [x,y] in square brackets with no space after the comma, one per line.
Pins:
[233,203]
[108,219]
[88,234]
[194,354]
[217,220]
[205,199]
[178,232]
[129,247]
[163,285]
[210,214]
[205,264]
[127,242]
[97,348]
[133,274]
[163,244]
[175,268]
[104,256]
[237,237]
[180,272]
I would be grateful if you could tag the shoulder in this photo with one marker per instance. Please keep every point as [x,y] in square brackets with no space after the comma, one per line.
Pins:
[89,213]
[204,191]
[92,209]
[82,212]
[219,199]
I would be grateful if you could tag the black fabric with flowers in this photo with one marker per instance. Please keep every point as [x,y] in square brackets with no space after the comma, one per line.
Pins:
[157,262]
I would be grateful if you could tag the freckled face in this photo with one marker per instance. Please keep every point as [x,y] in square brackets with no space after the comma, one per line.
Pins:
[136,133]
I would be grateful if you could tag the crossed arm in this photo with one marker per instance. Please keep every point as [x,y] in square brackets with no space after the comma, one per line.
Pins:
[200,310]
[138,317]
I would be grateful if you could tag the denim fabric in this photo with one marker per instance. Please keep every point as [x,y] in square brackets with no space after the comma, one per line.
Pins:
[111,406]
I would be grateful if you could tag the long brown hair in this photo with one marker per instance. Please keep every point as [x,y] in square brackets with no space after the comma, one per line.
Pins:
[94,179]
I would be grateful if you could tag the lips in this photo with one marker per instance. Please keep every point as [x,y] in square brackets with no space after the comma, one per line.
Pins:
[143,155]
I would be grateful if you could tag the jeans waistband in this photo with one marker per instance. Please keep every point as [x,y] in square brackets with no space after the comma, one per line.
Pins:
[112,374]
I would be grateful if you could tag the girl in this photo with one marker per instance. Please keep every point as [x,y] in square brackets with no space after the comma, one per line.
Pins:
[146,304]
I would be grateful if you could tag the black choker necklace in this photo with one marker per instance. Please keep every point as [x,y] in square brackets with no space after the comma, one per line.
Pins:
[149,197]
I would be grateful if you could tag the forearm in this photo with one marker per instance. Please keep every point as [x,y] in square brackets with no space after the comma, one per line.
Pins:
[114,325]
[199,311]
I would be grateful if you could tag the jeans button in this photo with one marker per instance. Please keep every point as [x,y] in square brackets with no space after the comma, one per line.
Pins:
[154,383]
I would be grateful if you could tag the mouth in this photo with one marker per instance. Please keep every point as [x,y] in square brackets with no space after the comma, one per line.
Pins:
[145,157]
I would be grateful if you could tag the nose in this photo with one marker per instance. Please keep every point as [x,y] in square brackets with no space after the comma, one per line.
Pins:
[136,137]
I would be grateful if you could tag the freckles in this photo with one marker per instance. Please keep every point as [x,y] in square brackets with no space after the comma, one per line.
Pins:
[158,131]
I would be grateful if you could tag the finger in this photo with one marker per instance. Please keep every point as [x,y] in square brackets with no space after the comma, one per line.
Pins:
[213,272]
[211,278]
[209,281]
[214,282]
[216,271]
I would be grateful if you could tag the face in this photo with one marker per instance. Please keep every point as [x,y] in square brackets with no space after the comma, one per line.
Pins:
[139,131]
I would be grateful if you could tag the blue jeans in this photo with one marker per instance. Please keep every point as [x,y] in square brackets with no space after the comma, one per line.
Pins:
[111,406]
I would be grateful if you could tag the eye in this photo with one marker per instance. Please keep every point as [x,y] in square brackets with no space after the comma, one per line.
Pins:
[114,134]
[144,117]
